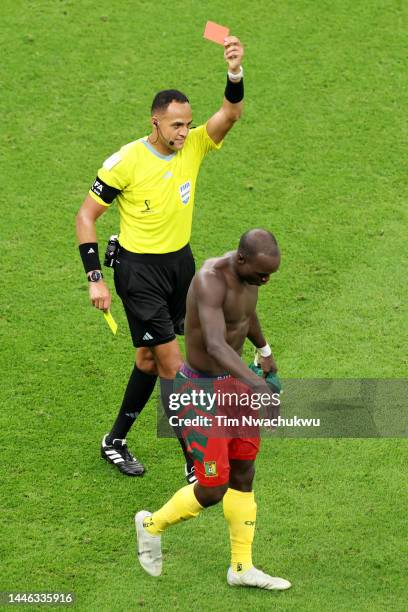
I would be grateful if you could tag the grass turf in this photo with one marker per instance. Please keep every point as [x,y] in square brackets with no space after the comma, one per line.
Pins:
[317,158]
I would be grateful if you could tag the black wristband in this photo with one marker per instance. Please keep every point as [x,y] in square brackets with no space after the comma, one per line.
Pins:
[234,92]
[90,256]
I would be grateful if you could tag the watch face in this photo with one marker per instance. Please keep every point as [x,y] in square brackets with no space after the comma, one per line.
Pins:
[95,276]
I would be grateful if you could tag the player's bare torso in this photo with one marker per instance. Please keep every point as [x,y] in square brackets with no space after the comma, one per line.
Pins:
[238,306]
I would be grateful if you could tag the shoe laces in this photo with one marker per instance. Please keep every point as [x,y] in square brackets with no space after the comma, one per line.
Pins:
[124,451]
[127,455]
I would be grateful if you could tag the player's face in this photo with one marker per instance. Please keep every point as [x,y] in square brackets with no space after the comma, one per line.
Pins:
[258,269]
[175,124]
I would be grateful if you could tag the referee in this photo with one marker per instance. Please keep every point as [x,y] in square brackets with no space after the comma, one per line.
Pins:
[153,180]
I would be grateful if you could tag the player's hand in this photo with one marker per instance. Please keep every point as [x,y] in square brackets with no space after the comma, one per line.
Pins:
[100,295]
[233,53]
[272,411]
[268,364]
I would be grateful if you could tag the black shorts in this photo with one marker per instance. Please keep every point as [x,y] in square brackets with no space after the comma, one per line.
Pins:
[153,289]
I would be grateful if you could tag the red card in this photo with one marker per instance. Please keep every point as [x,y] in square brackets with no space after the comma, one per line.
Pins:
[215,32]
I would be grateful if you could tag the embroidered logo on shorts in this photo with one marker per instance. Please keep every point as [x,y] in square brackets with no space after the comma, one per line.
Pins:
[210,468]
[185,192]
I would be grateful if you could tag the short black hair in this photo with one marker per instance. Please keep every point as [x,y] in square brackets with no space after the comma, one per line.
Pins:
[257,241]
[162,99]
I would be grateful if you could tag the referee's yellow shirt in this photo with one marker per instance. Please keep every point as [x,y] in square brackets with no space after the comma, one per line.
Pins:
[154,192]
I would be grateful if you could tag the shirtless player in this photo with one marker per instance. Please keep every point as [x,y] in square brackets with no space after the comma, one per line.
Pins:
[221,314]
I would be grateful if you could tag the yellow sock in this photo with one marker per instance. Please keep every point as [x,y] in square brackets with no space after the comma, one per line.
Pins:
[181,507]
[240,513]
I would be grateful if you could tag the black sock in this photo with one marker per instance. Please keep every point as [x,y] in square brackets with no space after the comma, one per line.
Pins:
[166,387]
[137,394]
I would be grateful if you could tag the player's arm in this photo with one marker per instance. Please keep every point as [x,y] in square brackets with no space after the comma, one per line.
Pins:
[257,338]
[223,120]
[86,218]
[210,292]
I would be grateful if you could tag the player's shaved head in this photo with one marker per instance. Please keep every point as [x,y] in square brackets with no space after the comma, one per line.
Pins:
[258,242]
[162,100]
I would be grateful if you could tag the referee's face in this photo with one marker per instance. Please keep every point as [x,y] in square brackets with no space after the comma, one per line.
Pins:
[175,124]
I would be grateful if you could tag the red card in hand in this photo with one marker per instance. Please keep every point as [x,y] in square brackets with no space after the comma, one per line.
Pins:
[215,32]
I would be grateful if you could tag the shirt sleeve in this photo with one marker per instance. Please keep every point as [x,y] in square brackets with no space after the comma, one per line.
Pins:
[113,177]
[201,142]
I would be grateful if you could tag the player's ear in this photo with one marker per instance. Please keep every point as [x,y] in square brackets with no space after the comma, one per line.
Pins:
[155,121]
[241,259]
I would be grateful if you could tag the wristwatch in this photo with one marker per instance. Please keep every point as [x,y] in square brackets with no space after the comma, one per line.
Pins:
[95,276]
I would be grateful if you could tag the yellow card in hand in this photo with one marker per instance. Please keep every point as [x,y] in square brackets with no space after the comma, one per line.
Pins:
[110,321]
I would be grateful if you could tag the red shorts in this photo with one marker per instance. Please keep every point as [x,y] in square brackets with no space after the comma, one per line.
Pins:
[214,467]
[211,452]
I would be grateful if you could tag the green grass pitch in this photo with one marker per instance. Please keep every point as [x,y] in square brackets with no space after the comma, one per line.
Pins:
[319,158]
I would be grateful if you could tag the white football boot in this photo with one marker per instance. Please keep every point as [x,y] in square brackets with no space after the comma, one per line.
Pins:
[148,546]
[255,578]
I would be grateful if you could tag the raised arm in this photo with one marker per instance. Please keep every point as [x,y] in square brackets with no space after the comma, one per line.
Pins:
[223,120]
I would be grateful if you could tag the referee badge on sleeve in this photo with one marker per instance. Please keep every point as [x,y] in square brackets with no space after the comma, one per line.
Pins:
[185,192]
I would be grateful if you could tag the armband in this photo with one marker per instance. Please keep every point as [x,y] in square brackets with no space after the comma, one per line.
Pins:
[104,191]
[264,351]
[90,256]
[234,92]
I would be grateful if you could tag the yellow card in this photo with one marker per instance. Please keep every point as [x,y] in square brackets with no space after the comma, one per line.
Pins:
[110,321]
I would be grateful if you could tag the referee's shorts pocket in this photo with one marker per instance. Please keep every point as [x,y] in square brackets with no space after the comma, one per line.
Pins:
[121,277]
[143,290]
